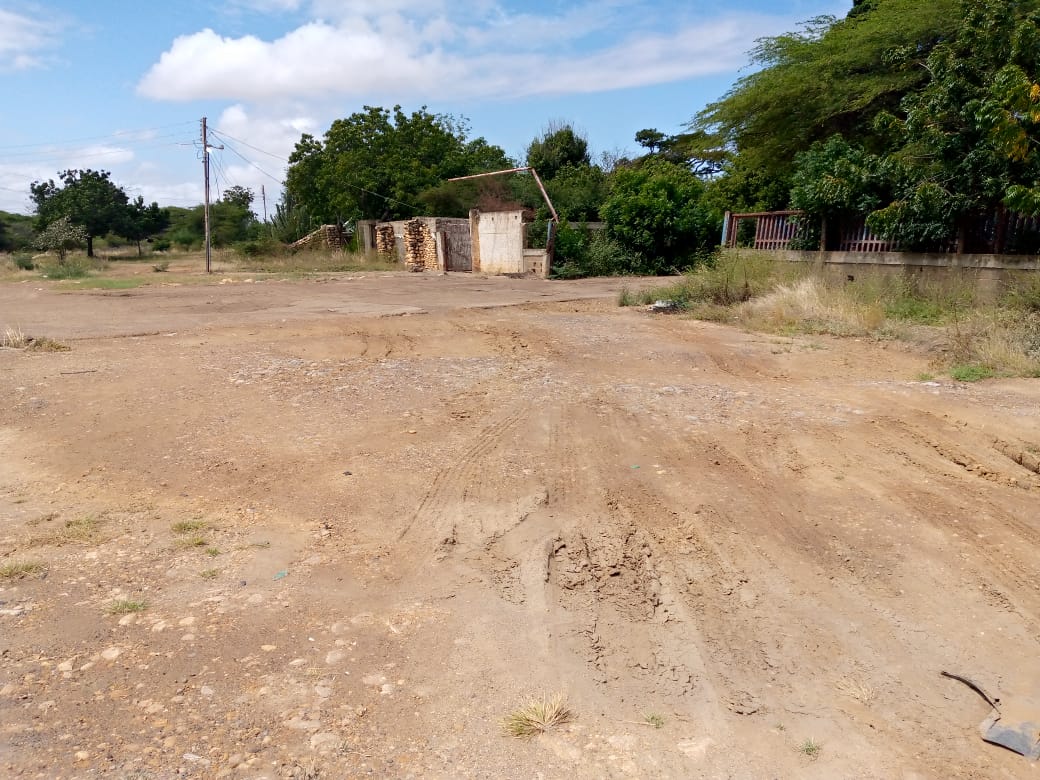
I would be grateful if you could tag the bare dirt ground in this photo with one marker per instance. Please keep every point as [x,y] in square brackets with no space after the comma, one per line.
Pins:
[407,506]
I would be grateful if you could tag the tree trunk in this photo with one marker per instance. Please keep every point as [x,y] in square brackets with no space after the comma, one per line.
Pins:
[139,252]
[90,246]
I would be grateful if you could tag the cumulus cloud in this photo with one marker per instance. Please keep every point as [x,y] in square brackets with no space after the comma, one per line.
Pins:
[23,40]
[410,49]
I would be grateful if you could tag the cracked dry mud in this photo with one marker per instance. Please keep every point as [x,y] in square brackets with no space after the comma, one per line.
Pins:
[287,536]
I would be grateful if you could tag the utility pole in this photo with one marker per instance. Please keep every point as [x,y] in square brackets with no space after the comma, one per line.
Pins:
[205,208]
[263,197]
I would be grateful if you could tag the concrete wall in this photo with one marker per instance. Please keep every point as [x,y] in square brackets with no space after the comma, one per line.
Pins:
[988,274]
[498,242]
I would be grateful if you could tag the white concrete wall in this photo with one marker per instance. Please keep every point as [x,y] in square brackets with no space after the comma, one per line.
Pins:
[501,242]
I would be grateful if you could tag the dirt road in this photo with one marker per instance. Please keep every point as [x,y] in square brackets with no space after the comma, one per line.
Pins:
[346,544]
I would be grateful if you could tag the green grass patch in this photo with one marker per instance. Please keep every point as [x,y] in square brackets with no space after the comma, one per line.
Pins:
[188,526]
[212,552]
[971,372]
[126,607]
[19,569]
[209,574]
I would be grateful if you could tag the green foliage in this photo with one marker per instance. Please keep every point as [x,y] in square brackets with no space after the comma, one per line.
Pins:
[374,164]
[23,261]
[16,232]
[831,77]
[60,236]
[598,255]
[560,146]
[727,278]
[971,372]
[142,222]
[88,198]
[655,211]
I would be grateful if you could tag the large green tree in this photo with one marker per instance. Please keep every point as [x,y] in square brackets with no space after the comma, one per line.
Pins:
[831,77]
[88,198]
[376,163]
[957,149]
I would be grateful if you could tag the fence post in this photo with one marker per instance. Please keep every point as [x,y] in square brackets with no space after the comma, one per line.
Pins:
[725,229]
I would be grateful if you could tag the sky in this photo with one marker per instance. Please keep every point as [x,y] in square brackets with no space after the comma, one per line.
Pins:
[121,85]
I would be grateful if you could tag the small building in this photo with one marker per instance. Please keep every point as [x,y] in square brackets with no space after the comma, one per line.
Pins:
[492,242]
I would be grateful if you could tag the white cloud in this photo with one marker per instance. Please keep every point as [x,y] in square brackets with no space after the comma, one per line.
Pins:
[22,40]
[429,56]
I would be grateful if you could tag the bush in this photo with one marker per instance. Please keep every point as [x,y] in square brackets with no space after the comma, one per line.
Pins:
[161,245]
[24,261]
[257,247]
[71,268]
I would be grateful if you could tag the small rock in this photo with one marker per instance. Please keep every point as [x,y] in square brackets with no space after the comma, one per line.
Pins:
[268,648]
[65,666]
[373,679]
[335,656]
[205,690]
[325,742]
[82,755]
[112,653]
[188,621]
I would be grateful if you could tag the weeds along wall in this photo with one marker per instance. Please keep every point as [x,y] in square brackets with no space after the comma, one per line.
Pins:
[988,275]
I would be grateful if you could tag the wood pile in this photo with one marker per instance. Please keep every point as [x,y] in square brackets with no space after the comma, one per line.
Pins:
[420,247]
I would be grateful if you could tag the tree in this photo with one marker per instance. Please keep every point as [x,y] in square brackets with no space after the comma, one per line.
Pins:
[831,77]
[88,198]
[375,164]
[239,195]
[60,236]
[142,222]
[655,209]
[959,147]
[560,146]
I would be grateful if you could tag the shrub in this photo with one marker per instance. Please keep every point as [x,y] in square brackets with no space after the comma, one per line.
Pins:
[71,268]
[24,261]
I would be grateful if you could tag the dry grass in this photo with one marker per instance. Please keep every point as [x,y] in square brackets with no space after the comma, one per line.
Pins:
[83,530]
[971,339]
[856,689]
[14,338]
[538,716]
[314,262]
[19,569]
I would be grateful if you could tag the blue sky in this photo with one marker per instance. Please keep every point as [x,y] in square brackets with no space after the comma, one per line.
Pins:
[120,85]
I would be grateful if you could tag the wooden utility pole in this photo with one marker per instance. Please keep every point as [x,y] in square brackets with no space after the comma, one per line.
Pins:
[205,207]
[263,197]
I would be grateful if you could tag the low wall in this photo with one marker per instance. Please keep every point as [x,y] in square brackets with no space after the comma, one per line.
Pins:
[989,274]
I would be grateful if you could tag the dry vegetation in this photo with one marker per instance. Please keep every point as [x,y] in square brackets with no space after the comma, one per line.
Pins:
[971,339]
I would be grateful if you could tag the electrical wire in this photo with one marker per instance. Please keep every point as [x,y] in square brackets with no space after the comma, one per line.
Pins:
[233,150]
[117,134]
[224,135]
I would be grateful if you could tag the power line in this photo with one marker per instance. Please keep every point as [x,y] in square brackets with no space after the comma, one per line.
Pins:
[250,162]
[117,134]
[225,136]
[54,150]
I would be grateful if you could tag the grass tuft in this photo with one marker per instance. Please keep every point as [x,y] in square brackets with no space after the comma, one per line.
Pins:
[811,749]
[83,530]
[188,526]
[127,606]
[19,569]
[195,540]
[209,574]
[538,716]
[653,719]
